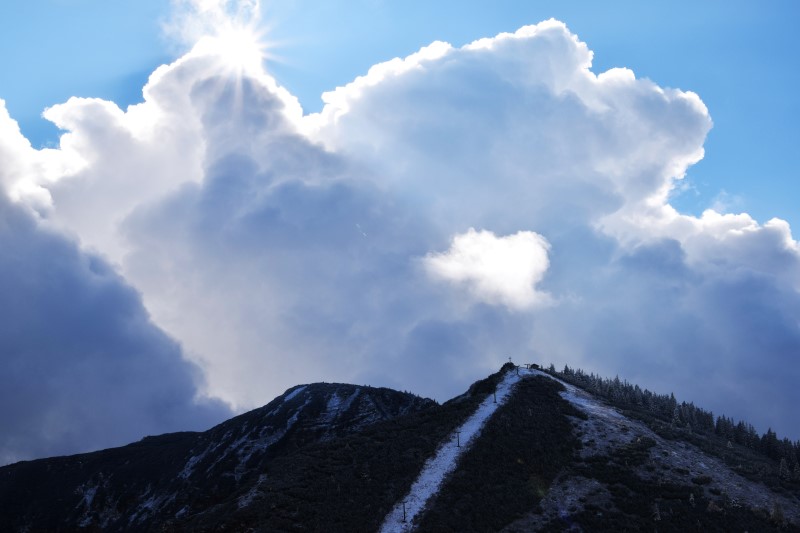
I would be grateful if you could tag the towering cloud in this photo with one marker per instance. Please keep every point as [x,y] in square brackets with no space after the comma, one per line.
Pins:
[83,366]
[279,248]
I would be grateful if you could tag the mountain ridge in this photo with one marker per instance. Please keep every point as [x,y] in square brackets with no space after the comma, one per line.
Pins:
[173,463]
[338,457]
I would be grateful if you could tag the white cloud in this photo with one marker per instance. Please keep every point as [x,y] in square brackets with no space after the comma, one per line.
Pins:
[278,248]
[194,20]
[496,270]
[24,171]
[724,202]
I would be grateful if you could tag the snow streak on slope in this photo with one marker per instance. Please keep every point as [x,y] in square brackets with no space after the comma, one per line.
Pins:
[676,462]
[445,459]
[578,397]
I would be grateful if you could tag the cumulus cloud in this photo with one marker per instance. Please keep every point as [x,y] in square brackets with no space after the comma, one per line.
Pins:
[497,270]
[280,248]
[24,170]
[83,366]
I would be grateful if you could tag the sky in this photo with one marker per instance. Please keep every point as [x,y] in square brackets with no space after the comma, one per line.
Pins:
[205,202]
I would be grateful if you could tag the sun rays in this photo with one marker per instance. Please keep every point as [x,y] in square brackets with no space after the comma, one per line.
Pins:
[241,50]
[229,30]
[232,39]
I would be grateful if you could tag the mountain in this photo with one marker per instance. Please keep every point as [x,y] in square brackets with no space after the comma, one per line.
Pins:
[522,450]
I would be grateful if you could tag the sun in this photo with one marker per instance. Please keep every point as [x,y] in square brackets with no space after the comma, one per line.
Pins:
[231,31]
[241,49]
[234,49]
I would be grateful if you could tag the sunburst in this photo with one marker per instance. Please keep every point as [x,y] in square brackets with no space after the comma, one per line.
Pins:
[241,49]
[235,50]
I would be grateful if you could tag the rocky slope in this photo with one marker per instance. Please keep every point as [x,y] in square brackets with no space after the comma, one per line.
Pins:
[173,477]
[626,476]
[547,456]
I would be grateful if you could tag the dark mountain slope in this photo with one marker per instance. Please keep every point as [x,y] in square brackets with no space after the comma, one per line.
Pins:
[347,484]
[627,477]
[338,458]
[178,475]
[508,470]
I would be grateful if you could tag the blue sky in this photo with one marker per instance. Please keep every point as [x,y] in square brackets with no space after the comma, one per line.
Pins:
[739,56]
[195,244]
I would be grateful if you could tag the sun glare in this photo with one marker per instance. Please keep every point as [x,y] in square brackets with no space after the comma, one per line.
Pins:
[232,42]
[241,49]
[230,30]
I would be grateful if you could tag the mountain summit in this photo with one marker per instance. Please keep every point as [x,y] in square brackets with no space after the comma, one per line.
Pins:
[522,450]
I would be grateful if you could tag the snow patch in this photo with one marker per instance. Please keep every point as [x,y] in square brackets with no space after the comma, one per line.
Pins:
[332,408]
[154,502]
[249,444]
[579,398]
[88,496]
[188,468]
[337,404]
[294,393]
[444,460]
[293,419]
[607,430]
[589,405]
[349,401]
[247,499]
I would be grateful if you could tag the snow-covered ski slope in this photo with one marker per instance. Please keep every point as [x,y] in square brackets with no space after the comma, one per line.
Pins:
[445,459]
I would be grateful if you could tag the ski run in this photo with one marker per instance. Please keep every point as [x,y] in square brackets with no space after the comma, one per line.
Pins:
[401,518]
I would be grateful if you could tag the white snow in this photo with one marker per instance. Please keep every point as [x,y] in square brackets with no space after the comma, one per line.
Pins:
[88,496]
[152,504]
[587,404]
[579,398]
[251,495]
[296,414]
[332,409]
[349,401]
[444,460]
[247,445]
[188,468]
[287,398]
[294,393]
[337,404]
